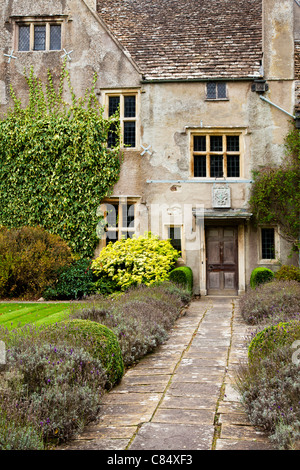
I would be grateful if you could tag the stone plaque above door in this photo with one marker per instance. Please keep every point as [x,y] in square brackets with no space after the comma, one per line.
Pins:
[221,197]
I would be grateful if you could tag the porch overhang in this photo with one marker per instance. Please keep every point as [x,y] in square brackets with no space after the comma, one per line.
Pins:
[222,214]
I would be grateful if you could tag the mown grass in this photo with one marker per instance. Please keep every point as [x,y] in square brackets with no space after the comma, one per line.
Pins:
[14,315]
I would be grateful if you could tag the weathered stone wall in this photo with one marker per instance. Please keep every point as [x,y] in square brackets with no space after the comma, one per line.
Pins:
[94,49]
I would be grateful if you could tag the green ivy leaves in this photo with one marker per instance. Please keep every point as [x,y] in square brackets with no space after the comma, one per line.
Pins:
[55,165]
[275,193]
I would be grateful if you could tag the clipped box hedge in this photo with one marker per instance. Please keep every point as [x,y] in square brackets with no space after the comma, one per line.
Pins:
[100,341]
[260,276]
[182,276]
[272,337]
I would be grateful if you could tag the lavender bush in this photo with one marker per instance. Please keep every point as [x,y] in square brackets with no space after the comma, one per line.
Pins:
[270,392]
[53,385]
[53,388]
[269,384]
[140,318]
[274,302]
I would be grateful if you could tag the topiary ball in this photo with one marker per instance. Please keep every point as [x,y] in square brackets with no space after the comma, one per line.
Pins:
[272,337]
[99,340]
[260,276]
[182,276]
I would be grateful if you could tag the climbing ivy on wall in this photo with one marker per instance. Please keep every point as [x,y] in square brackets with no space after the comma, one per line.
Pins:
[55,166]
[275,195]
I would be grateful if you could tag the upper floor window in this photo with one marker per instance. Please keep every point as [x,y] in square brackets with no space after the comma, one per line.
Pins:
[216,156]
[38,34]
[127,106]
[216,91]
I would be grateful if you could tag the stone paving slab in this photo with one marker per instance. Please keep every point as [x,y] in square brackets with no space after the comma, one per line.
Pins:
[189,403]
[182,396]
[184,416]
[161,436]
[231,444]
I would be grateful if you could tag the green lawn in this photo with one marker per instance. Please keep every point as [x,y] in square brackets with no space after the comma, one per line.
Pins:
[13,315]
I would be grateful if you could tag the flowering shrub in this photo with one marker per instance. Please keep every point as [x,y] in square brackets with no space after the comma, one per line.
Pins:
[270,391]
[56,375]
[95,338]
[269,384]
[143,260]
[54,388]
[18,436]
[140,318]
[273,302]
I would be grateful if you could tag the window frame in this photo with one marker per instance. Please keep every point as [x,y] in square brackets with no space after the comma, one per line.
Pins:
[182,239]
[31,22]
[276,245]
[119,227]
[122,93]
[217,98]
[214,132]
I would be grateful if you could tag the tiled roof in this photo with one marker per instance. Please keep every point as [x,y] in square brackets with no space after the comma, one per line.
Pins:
[188,39]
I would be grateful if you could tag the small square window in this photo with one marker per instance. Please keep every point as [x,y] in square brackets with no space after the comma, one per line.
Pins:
[211,91]
[216,90]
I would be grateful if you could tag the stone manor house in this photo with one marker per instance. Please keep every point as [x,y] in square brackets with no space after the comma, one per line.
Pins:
[207,90]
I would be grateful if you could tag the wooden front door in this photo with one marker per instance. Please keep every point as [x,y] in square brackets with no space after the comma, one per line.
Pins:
[221,260]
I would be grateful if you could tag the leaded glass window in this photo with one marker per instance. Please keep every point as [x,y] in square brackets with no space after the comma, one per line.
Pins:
[127,107]
[216,156]
[39,37]
[268,243]
[216,90]
[55,37]
[24,38]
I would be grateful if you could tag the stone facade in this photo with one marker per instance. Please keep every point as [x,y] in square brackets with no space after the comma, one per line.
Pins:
[195,70]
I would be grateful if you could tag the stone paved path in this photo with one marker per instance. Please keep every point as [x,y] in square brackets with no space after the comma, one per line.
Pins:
[181,397]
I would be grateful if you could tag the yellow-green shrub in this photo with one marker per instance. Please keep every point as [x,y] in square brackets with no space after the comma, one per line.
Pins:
[288,273]
[138,260]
